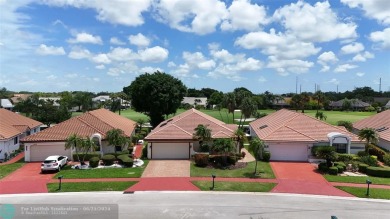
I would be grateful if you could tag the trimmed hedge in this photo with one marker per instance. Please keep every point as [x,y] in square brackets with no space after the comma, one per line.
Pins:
[87,156]
[377,151]
[369,160]
[333,170]
[386,159]
[94,162]
[266,156]
[323,167]
[201,160]
[345,157]
[362,153]
[363,168]
[340,169]
[108,159]
[378,171]
[340,165]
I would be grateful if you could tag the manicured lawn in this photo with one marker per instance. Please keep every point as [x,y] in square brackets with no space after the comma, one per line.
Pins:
[235,186]
[69,173]
[361,192]
[263,167]
[9,168]
[90,186]
[334,116]
[358,179]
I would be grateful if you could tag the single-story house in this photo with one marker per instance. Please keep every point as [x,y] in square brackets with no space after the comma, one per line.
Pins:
[290,135]
[282,102]
[173,138]
[6,104]
[55,100]
[103,98]
[356,104]
[92,124]
[14,127]
[195,101]
[20,97]
[381,123]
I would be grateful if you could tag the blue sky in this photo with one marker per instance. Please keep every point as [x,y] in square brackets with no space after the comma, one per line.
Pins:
[57,45]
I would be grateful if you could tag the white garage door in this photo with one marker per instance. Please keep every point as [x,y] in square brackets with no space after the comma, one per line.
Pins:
[170,151]
[41,152]
[288,152]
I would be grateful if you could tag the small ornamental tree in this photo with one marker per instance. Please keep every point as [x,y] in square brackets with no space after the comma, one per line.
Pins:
[326,152]
[202,133]
[223,146]
[256,146]
[80,145]
[115,137]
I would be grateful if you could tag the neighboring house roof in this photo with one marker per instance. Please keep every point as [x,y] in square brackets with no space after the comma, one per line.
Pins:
[387,106]
[284,101]
[97,121]
[195,100]
[289,126]
[380,122]
[19,97]
[101,98]
[355,103]
[6,103]
[13,124]
[181,127]
[54,99]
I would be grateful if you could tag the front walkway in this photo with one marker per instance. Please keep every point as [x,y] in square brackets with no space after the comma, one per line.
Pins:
[14,160]
[302,178]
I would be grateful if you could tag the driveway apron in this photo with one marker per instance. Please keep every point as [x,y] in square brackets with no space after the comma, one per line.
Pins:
[165,175]
[302,178]
[26,179]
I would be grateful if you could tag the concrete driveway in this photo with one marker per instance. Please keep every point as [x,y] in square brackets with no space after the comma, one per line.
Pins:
[302,178]
[27,179]
[167,168]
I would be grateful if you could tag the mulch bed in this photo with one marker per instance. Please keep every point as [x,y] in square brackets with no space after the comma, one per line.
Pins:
[238,165]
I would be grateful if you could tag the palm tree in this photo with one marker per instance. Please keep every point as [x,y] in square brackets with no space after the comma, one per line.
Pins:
[256,146]
[202,133]
[80,145]
[240,137]
[230,103]
[115,137]
[320,97]
[321,116]
[368,134]
[248,107]
[140,123]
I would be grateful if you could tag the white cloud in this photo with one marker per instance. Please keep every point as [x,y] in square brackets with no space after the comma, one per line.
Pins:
[72,75]
[245,16]
[360,74]
[382,38]
[196,16]
[79,53]
[249,64]
[122,68]
[262,79]
[51,77]
[362,57]
[327,57]
[100,67]
[377,9]
[345,67]
[149,69]
[285,67]
[325,68]
[50,50]
[334,81]
[139,40]
[122,54]
[86,38]
[277,44]
[101,59]
[352,48]
[154,54]
[317,23]
[227,71]
[171,64]
[225,56]
[198,61]
[116,41]
[127,13]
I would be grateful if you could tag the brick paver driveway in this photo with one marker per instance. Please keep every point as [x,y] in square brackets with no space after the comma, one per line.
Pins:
[167,168]
[302,178]
[27,179]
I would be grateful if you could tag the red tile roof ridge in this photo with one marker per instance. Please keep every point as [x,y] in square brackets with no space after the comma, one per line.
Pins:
[299,132]
[226,134]
[212,119]
[160,130]
[91,126]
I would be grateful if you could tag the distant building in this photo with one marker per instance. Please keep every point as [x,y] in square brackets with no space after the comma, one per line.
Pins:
[20,97]
[195,101]
[104,98]
[387,106]
[356,104]
[283,102]
[6,104]
[56,100]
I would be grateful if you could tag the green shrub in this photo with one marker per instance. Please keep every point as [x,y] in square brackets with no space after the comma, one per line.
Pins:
[122,157]
[201,160]
[362,153]
[127,162]
[340,169]
[378,171]
[108,159]
[94,162]
[145,152]
[345,157]
[377,151]
[87,156]
[369,160]
[323,167]
[346,124]
[333,170]
[363,168]
[266,156]
[340,164]
[204,148]
[232,159]
[386,159]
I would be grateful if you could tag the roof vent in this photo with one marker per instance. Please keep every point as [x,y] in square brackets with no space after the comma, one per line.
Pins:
[163,124]
[263,126]
[169,120]
[382,129]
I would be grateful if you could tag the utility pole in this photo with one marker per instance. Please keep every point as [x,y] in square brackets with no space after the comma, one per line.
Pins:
[300,88]
[296,85]
[380,85]
[337,91]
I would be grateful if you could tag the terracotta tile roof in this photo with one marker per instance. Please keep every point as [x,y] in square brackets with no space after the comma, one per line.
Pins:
[380,122]
[289,126]
[97,121]
[12,124]
[181,127]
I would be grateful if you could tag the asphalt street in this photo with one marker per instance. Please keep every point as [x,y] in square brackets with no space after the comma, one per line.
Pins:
[189,205]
